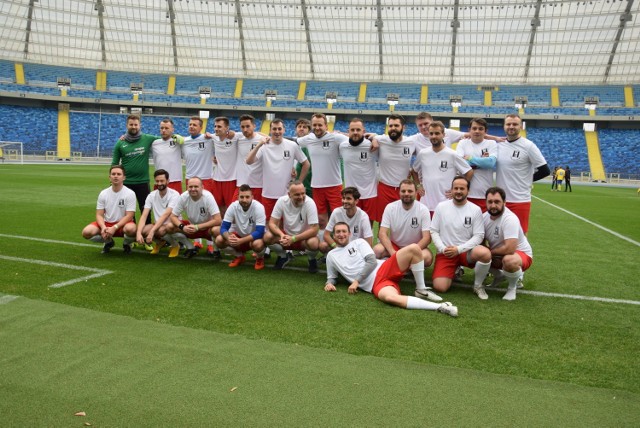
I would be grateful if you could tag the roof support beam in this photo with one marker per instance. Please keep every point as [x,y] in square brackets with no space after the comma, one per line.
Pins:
[455,24]
[305,20]
[241,35]
[379,25]
[535,23]
[100,8]
[171,14]
[28,29]
[624,18]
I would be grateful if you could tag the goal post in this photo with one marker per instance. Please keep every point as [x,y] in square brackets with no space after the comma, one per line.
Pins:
[11,151]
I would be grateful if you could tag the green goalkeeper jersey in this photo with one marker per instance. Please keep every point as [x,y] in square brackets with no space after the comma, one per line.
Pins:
[134,157]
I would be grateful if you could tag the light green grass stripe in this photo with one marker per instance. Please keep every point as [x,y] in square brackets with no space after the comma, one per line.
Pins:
[56,360]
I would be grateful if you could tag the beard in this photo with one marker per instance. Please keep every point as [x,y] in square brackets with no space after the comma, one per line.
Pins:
[161,187]
[395,135]
[495,212]
[356,142]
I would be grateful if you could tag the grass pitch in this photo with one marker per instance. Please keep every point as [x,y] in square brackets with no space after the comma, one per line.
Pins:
[579,354]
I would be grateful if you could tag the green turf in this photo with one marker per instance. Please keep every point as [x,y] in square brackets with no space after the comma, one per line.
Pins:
[580,343]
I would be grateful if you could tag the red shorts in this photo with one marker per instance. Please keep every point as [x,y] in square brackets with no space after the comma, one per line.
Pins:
[370,206]
[268,204]
[208,185]
[482,203]
[242,248]
[119,233]
[256,191]
[298,245]
[327,199]
[224,192]
[388,275]
[202,233]
[175,185]
[386,195]
[446,267]
[526,261]
[521,210]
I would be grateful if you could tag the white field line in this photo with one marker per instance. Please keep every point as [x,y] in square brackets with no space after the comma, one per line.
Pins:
[95,272]
[99,272]
[7,298]
[614,233]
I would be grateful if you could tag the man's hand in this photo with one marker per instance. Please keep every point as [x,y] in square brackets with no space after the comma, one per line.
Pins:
[374,145]
[286,241]
[233,240]
[353,288]
[329,287]
[450,251]
[139,238]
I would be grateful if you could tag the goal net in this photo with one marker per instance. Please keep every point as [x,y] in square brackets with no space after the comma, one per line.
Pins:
[11,151]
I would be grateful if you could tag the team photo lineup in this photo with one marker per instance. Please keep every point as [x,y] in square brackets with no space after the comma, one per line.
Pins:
[319,194]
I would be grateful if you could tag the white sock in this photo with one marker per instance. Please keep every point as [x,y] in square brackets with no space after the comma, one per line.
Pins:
[279,250]
[512,277]
[96,238]
[169,239]
[181,238]
[416,303]
[481,270]
[417,269]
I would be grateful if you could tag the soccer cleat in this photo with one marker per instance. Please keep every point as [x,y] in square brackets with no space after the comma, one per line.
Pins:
[259,263]
[210,250]
[480,292]
[216,255]
[107,247]
[189,253]
[237,261]
[510,294]
[427,293]
[520,282]
[459,273]
[156,247]
[149,247]
[448,308]
[281,262]
[313,265]
[126,248]
[197,244]
[174,251]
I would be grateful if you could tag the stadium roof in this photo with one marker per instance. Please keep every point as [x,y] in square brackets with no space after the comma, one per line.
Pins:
[427,41]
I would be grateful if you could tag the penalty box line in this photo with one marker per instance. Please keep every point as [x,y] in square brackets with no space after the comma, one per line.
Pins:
[96,273]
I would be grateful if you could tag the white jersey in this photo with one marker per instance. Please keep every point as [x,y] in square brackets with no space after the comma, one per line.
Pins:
[348,261]
[278,161]
[457,225]
[295,220]
[358,224]
[360,170]
[116,204]
[438,171]
[226,153]
[482,177]
[450,137]
[159,204]
[245,173]
[325,158]
[406,226]
[516,163]
[199,211]
[244,222]
[507,226]
[197,153]
[167,155]
[394,159]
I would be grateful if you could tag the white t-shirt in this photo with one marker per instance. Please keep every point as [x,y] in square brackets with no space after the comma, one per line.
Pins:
[278,161]
[245,173]
[198,154]
[348,261]
[457,225]
[244,222]
[295,220]
[360,170]
[507,226]
[325,158]
[482,177]
[167,155]
[226,153]
[394,159]
[438,171]
[116,204]
[358,224]
[199,211]
[406,226]
[158,204]
[450,137]
[515,166]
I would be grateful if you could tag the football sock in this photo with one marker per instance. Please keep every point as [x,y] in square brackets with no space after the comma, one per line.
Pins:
[481,270]
[418,274]
[416,303]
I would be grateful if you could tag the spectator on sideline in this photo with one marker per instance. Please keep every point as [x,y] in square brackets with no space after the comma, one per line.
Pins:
[114,213]
[567,177]
[356,262]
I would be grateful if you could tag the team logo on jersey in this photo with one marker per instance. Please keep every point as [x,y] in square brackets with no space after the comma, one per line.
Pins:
[444,165]
[228,143]
[515,154]
[356,229]
[121,202]
[203,211]
[172,143]
[326,145]
[301,219]
[352,251]
[414,222]
[253,145]
[496,231]
[406,152]
[364,156]
[252,220]
[201,146]
[484,151]
[287,155]
[467,222]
